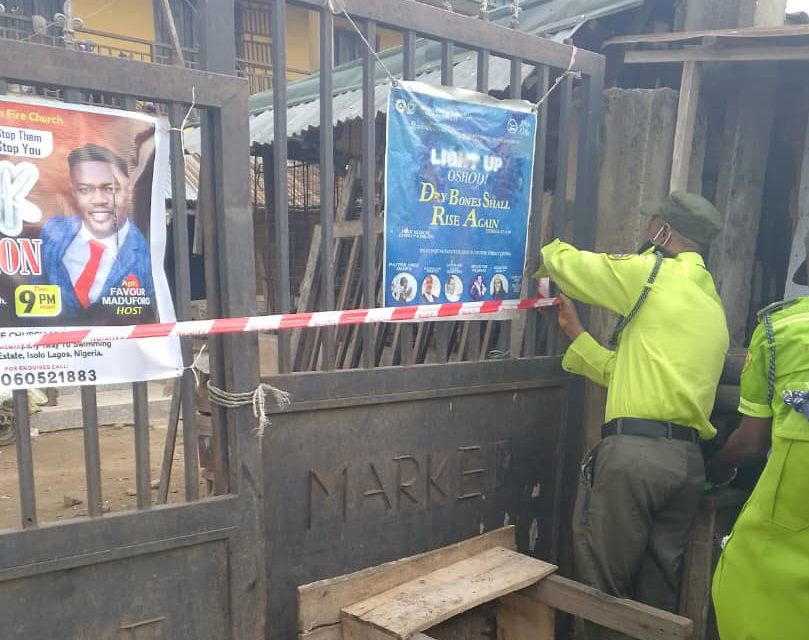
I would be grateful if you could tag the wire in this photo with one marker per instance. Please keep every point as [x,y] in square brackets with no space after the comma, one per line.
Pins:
[567,73]
[342,9]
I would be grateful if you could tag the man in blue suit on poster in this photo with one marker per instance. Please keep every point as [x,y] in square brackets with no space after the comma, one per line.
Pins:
[99,259]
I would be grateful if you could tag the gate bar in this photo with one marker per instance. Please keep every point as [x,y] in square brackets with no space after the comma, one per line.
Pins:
[406,343]
[327,182]
[537,199]
[92,455]
[467,32]
[447,68]
[483,59]
[280,186]
[182,301]
[143,480]
[57,66]
[368,177]
[25,460]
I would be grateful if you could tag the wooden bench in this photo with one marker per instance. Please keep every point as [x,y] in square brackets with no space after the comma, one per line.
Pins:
[401,600]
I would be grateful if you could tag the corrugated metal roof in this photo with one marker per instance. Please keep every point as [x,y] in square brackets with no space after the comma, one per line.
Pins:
[191,179]
[787,34]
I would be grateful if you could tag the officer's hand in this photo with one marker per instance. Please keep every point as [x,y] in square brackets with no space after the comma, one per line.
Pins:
[569,321]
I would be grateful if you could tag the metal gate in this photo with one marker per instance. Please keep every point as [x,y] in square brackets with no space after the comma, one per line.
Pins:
[378,463]
[366,465]
[189,570]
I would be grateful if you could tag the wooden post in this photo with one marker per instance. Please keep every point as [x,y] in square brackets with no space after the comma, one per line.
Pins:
[520,618]
[686,122]
[179,60]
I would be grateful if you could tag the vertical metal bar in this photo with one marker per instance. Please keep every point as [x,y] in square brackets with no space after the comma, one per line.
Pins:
[182,296]
[143,480]
[215,23]
[269,220]
[206,217]
[406,334]
[447,59]
[444,330]
[280,187]
[559,217]
[327,180]
[170,443]
[537,197]
[3,86]
[25,460]
[515,87]
[587,167]
[409,52]
[92,454]
[368,191]
[483,58]
[559,213]
[584,214]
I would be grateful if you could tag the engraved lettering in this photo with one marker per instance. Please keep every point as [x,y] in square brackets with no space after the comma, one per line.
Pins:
[468,473]
[404,487]
[434,477]
[341,487]
[380,490]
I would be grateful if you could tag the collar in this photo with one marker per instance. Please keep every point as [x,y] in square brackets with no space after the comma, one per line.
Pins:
[111,243]
[691,257]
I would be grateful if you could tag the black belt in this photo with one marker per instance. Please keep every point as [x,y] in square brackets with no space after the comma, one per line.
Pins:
[648,428]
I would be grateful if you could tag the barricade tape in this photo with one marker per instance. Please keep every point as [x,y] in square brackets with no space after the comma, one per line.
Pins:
[280,322]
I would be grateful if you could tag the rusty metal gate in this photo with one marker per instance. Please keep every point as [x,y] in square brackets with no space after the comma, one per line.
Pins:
[188,570]
[366,465]
[377,463]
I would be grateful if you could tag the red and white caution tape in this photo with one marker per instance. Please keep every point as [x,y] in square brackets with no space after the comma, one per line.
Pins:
[202,328]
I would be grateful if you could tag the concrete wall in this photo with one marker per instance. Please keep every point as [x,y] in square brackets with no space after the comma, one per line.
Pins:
[635,168]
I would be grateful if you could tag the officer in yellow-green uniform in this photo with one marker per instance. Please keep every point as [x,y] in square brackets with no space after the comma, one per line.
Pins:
[640,487]
[761,585]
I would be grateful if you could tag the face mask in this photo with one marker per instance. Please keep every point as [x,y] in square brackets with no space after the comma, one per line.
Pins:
[654,243]
[646,247]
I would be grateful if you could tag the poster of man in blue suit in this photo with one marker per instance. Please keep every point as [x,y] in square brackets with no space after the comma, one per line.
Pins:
[82,241]
[99,257]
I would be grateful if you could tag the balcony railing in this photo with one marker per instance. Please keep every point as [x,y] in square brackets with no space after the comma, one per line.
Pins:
[16,27]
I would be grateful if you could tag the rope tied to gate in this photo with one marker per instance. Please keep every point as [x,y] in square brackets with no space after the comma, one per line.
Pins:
[257,398]
[567,73]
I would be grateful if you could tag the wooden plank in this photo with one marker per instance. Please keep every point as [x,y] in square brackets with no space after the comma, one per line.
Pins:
[520,618]
[632,618]
[686,122]
[353,228]
[695,588]
[320,603]
[445,593]
[726,54]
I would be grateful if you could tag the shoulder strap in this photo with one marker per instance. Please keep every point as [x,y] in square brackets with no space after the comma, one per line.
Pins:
[770,334]
[625,320]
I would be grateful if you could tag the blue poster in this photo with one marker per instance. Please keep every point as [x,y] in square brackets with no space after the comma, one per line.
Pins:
[457,195]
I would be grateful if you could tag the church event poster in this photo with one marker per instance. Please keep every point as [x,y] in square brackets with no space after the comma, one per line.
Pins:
[457,195]
[82,241]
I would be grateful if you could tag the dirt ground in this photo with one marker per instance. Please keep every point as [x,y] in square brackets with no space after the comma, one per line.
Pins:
[59,473]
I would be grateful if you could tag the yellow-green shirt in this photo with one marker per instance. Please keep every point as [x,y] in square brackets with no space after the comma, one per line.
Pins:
[790,326]
[761,584]
[670,357]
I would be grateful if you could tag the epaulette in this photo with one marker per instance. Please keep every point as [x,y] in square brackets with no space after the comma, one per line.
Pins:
[775,306]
